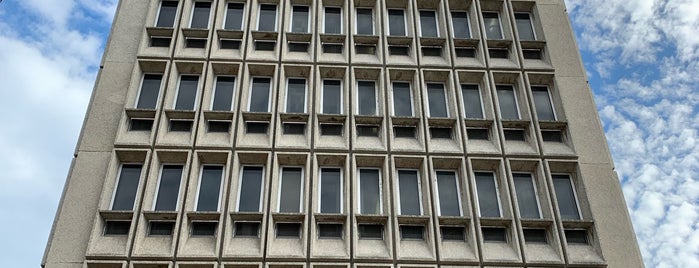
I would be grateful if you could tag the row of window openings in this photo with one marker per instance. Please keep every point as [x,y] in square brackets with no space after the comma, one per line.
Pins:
[331,98]
[267,20]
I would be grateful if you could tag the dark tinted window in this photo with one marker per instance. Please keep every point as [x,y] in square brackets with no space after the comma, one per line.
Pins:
[166,16]
[259,95]
[508,102]
[230,44]
[298,47]
[127,187]
[209,188]
[291,184]
[200,16]
[491,21]
[552,135]
[526,196]
[117,227]
[267,20]
[333,48]
[250,189]
[332,96]
[296,95]
[402,100]
[535,235]
[370,231]
[330,190]
[404,132]
[195,43]
[440,132]
[431,51]
[294,128]
[299,19]
[367,131]
[399,50]
[472,101]
[329,230]
[428,23]
[331,129]
[542,103]
[247,229]
[396,21]
[333,20]
[478,133]
[160,227]
[223,94]
[137,124]
[365,21]
[366,97]
[181,125]
[234,16]
[187,94]
[369,191]
[256,127]
[288,230]
[452,233]
[409,188]
[524,26]
[265,45]
[204,228]
[437,100]
[576,236]
[448,187]
[494,234]
[565,195]
[459,21]
[498,53]
[412,232]
[219,126]
[514,134]
[157,41]
[465,52]
[169,188]
[488,202]
[150,89]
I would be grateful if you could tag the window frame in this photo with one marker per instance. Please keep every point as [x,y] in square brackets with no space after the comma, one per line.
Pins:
[436,23]
[262,186]
[359,190]
[342,188]
[468,24]
[532,179]
[225,16]
[196,95]
[497,192]
[215,89]
[373,20]
[191,15]
[220,186]
[575,195]
[463,99]
[308,20]
[553,107]
[160,178]
[516,99]
[458,191]
[388,22]
[160,8]
[140,89]
[269,97]
[342,20]
[322,95]
[118,179]
[303,186]
[502,31]
[305,94]
[376,97]
[399,211]
[412,98]
[276,16]
[446,99]
[531,24]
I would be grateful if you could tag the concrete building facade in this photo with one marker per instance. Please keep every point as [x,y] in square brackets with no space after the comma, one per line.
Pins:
[354,134]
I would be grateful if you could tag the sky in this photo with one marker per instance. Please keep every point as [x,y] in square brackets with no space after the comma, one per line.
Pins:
[641,56]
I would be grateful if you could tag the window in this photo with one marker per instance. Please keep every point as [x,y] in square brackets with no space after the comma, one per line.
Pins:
[332,48]
[428,23]
[167,13]
[402,99]
[160,228]
[265,45]
[200,15]
[168,188]
[330,190]
[366,98]
[431,51]
[329,230]
[234,16]
[223,93]
[150,90]
[399,50]
[365,21]
[472,101]
[449,195]
[478,134]
[267,20]
[127,186]
[565,195]
[294,128]
[209,188]
[515,134]
[181,125]
[365,49]
[459,23]
[508,102]
[542,103]
[332,96]
[367,130]
[370,231]
[498,53]
[290,189]
[160,41]
[404,131]
[230,44]
[524,26]
[250,189]
[491,20]
[259,94]
[526,196]
[535,235]
[204,228]
[247,229]
[288,230]
[140,124]
[552,135]
[117,227]
[412,232]
[299,19]
[409,192]
[369,191]
[437,100]
[494,234]
[215,126]
[333,20]
[298,47]
[256,127]
[465,52]
[487,191]
[452,233]
[440,132]
[296,95]
[532,54]
[195,42]
[331,129]
[576,236]
[396,22]
[187,93]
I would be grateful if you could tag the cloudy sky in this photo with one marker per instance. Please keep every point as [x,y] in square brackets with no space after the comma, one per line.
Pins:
[642,58]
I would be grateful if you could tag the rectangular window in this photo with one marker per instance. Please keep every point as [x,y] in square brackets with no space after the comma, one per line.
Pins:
[402,99]
[494,234]
[299,19]
[516,134]
[508,102]
[498,53]
[330,190]
[526,196]
[160,228]
[472,101]
[181,125]
[535,235]
[290,189]
[187,93]
[552,135]
[404,132]
[532,54]
[296,95]
[367,130]
[565,195]
[200,15]
[168,188]
[412,232]
[370,231]
[524,26]
[331,129]
[399,50]
[428,23]
[452,233]
[333,20]
[265,45]
[487,191]
[204,228]
[441,132]
[542,103]
[576,236]
[230,44]
[437,100]
[247,229]
[288,230]
[431,51]
[267,20]
[150,91]
[298,47]
[448,190]
[366,98]
[294,128]
[409,192]
[396,22]
[234,16]
[215,126]
[209,188]
[365,21]
[250,190]
[465,52]
[127,186]
[332,48]
[142,124]
[478,133]
[223,93]
[369,191]
[256,127]
[259,94]
[459,23]
[166,14]
[158,41]
[491,21]
[365,49]
[332,96]
[117,227]
[195,42]
[330,230]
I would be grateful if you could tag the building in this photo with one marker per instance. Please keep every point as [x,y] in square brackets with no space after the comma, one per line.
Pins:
[353,134]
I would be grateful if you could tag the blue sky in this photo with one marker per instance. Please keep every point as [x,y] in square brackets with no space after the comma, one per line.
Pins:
[642,58]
